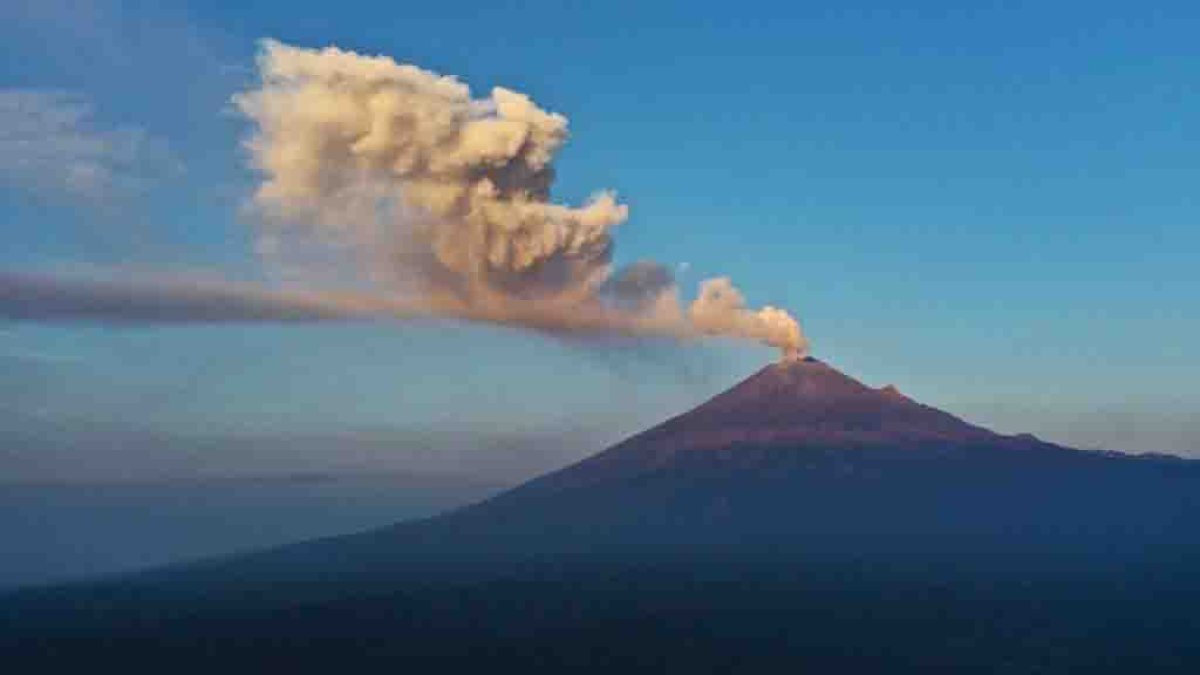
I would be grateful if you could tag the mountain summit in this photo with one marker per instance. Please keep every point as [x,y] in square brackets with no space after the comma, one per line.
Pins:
[786,408]
[806,400]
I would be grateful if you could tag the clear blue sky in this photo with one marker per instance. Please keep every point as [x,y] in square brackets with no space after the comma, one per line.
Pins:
[995,208]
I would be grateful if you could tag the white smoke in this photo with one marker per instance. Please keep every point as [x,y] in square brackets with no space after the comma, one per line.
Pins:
[445,200]
[720,309]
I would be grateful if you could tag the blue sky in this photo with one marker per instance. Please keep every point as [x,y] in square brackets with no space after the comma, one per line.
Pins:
[994,208]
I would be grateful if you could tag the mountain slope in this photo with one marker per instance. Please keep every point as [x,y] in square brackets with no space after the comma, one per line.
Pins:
[800,456]
[874,529]
[797,463]
[809,401]
[790,404]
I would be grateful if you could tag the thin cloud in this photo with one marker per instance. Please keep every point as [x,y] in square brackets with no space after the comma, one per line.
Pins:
[51,142]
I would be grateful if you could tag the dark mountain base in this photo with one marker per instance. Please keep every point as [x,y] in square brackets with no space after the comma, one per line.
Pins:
[874,560]
[669,619]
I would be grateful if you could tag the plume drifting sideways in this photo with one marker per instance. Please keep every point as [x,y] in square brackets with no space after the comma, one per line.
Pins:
[434,203]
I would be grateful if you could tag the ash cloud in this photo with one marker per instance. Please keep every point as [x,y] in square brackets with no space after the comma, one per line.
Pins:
[721,310]
[396,183]
[445,199]
[27,297]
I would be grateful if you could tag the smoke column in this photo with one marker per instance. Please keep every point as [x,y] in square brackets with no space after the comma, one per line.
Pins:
[389,192]
[444,202]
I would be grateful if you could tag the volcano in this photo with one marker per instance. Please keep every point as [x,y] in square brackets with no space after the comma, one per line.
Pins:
[799,519]
[808,402]
[796,404]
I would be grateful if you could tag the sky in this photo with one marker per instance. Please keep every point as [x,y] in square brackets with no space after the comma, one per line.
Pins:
[993,208]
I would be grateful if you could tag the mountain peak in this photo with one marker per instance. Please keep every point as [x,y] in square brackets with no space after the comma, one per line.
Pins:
[798,386]
[792,404]
[798,378]
[807,401]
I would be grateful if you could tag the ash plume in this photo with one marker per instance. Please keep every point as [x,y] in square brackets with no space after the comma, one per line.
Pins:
[142,299]
[720,309]
[389,192]
[444,200]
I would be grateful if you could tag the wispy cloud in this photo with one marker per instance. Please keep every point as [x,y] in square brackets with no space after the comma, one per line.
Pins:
[50,141]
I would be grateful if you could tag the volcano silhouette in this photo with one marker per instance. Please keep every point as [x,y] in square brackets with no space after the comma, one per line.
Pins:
[799,519]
